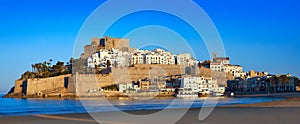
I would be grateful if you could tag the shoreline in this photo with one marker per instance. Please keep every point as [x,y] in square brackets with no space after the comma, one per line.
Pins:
[128,96]
[287,102]
[224,115]
[276,112]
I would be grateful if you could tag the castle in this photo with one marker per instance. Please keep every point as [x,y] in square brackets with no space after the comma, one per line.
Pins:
[141,64]
[106,43]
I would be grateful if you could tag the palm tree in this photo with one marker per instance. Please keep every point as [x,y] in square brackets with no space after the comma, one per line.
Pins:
[71,61]
[33,67]
[268,81]
[50,61]
[284,80]
[37,67]
[44,67]
[274,80]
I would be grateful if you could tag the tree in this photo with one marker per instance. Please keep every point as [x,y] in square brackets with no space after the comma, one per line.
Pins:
[48,63]
[78,65]
[269,82]
[59,67]
[44,67]
[283,80]
[274,81]
[33,67]
[38,67]
[27,75]
[71,60]
[297,82]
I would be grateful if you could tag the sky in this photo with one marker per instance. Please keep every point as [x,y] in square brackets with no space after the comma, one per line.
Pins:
[257,34]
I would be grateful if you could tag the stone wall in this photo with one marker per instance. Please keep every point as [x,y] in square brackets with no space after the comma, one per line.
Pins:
[117,43]
[106,43]
[87,82]
[124,75]
[18,86]
[142,71]
[42,85]
[84,83]
[71,84]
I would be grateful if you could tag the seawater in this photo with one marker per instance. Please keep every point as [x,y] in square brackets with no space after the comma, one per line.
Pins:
[20,107]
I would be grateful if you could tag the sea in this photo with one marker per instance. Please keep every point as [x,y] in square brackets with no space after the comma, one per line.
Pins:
[21,107]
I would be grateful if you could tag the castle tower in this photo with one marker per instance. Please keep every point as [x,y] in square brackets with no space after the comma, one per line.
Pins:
[214,55]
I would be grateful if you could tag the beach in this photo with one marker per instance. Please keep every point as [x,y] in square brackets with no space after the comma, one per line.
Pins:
[278,112]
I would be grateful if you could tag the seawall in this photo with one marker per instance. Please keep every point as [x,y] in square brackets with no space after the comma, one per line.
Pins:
[80,84]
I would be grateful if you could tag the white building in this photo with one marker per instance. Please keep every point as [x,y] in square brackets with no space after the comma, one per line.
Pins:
[215,66]
[222,64]
[208,85]
[120,58]
[189,87]
[125,87]
[94,60]
[158,56]
[183,59]
[114,56]
[137,58]
[193,86]
[235,70]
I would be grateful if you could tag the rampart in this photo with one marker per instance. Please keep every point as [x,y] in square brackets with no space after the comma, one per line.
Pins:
[84,83]
[40,86]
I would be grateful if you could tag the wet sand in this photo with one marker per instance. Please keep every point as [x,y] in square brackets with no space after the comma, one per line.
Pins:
[288,102]
[279,112]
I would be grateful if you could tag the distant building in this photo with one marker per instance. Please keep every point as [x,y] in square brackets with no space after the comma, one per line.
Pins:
[222,60]
[125,87]
[144,85]
[235,70]
[253,73]
[136,58]
[189,87]
[270,83]
[160,57]
[182,59]
[193,86]
[222,64]
[106,43]
[115,57]
[157,84]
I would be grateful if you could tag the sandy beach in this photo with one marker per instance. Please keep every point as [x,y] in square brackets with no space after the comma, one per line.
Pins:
[284,111]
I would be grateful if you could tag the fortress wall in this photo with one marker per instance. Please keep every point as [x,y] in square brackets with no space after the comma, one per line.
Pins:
[71,84]
[86,82]
[82,83]
[142,71]
[18,86]
[117,43]
[122,44]
[34,86]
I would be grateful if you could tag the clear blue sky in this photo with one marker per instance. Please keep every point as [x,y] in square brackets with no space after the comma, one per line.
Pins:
[258,34]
